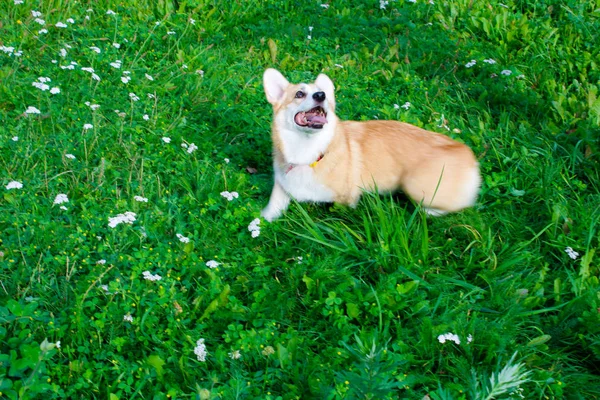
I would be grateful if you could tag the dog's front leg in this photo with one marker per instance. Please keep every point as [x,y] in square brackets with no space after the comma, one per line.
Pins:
[278,203]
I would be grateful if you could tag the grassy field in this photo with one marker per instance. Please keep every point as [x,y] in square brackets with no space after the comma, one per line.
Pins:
[126,272]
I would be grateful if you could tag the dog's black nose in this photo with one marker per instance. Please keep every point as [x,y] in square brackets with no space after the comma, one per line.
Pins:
[319,96]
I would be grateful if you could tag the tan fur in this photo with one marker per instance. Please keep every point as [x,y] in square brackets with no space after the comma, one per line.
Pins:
[429,167]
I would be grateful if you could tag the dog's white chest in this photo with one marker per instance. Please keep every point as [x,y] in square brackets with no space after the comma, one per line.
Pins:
[301,183]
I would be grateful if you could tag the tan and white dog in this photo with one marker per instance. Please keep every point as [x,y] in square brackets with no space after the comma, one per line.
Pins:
[317,157]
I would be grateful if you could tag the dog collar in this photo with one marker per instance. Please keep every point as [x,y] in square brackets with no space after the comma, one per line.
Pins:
[312,164]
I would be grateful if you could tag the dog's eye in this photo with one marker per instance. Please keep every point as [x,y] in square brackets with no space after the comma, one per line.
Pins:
[300,94]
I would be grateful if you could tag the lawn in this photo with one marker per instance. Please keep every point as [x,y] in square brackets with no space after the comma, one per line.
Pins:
[135,157]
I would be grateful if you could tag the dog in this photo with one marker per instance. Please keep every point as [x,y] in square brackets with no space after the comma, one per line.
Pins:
[319,158]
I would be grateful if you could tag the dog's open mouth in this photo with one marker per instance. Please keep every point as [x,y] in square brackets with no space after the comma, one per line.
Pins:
[315,118]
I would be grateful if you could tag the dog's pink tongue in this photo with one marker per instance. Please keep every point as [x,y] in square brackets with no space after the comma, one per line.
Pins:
[316,119]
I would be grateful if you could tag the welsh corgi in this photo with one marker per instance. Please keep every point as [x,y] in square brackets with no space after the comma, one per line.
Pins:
[319,158]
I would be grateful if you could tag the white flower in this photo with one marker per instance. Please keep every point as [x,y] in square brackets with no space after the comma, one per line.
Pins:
[57,344]
[448,337]
[406,105]
[254,228]
[88,69]
[32,110]
[145,117]
[61,25]
[63,53]
[310,28]
[125,79]
[192,21]
[151,96]
[116,45]
[6,49]
[200,350]
[166,139]
[127,318]
[70,156]
[469,338]
[14,185]
[309,37]
[15,138]
[489,61]
[126,72]
[149,277]
[325,6]
[111,12]
[184,66]
[234,355]
[101,262]
[55,90]
[470,63]
[230,196]
[116,64]
[71,20]
[506,72]
[126,218]
[521,76]
[40,85]
[226,160]
[87,18]
[299,259]
[182,238]
[140,199]
[63,208]
[133,97]
[149,77]
[338,65]
[96,77]
[412,1]
[383,4]
[35,13]
[212,264]
[42,31]
[200,72]
[396,106]
[192,147]
[40,21]
[60,199]
[170,32]
[17,2]
[571,253]
[88,126]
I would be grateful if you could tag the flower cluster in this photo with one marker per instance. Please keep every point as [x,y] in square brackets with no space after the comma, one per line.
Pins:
[61,198]
[571,253]
[230,195]
[127,317]
[200,350]
[452,337]
[254,228]
[126,218]
[182,238]
[212,264]
[235,355]
[149,277]
[14,185]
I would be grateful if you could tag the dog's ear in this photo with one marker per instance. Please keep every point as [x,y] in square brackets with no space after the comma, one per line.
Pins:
[325,84]
[275,85]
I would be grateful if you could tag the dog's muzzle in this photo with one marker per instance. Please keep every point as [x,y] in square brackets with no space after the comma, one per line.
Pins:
[314,118]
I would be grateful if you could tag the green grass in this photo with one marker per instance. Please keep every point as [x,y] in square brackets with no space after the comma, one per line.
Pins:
[328,302]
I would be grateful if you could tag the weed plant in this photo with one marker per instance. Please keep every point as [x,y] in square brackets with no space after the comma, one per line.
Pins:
[135,159]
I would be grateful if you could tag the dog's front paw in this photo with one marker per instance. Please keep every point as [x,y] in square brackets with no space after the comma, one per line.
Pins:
[270,213]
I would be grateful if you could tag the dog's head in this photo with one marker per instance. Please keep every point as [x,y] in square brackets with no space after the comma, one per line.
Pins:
[306,107]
